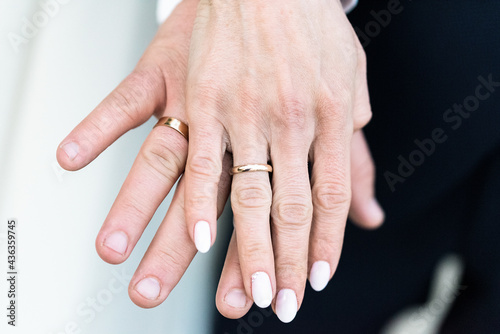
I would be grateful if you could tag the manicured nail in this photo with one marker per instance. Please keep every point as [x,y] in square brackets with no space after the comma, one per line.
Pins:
[149,288]
[376,212]
[71,149]
[236,298]
[286,305]
[320,275]
[262,292]
[202,238]
[117,241]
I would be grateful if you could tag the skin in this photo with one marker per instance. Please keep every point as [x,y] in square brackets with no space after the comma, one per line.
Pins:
[164,84]
[281,81]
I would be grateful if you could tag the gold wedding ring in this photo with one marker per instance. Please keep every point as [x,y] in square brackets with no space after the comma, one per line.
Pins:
[251,168]
[175,124]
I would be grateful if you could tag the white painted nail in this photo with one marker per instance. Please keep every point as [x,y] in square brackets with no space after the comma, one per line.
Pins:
[286,305]
[71,150]
[117,241]
[320,275]
[236,298]
[262,292]
[149,288]
[202,238]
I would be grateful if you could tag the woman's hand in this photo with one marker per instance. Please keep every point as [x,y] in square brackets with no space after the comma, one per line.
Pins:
[281,81]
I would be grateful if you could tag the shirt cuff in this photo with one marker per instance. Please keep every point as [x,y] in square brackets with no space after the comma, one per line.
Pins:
[165,7]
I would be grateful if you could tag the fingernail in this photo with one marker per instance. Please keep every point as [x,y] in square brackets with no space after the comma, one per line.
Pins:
[236,298]
[117,241]
[71,149]
[262,292]
[376,212]
[320,275]
[149,288]
[202,238]
[286,305]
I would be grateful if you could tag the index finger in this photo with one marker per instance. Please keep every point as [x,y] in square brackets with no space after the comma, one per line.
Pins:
[128,106]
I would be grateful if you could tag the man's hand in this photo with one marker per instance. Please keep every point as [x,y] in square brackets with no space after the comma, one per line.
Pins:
[156,86]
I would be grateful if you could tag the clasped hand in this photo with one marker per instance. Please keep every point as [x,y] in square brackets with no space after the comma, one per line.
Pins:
[280,82]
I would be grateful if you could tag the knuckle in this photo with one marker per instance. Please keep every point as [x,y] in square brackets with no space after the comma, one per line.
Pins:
[251,249]
[145,79]
[293,212]
[174,65]
[332,195]
[166,158]
[340,104]
[335,108]
[291,270]
[293,113]
[205,166]
[200,201]
[208,93]
[140,86]
[328,243]
[125,102]
[133,210]
[253,105]
[254,252]
[98,127]
[170,260]
[248,197]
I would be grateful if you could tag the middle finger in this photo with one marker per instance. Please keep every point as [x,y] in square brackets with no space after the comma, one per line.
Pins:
[291,222]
